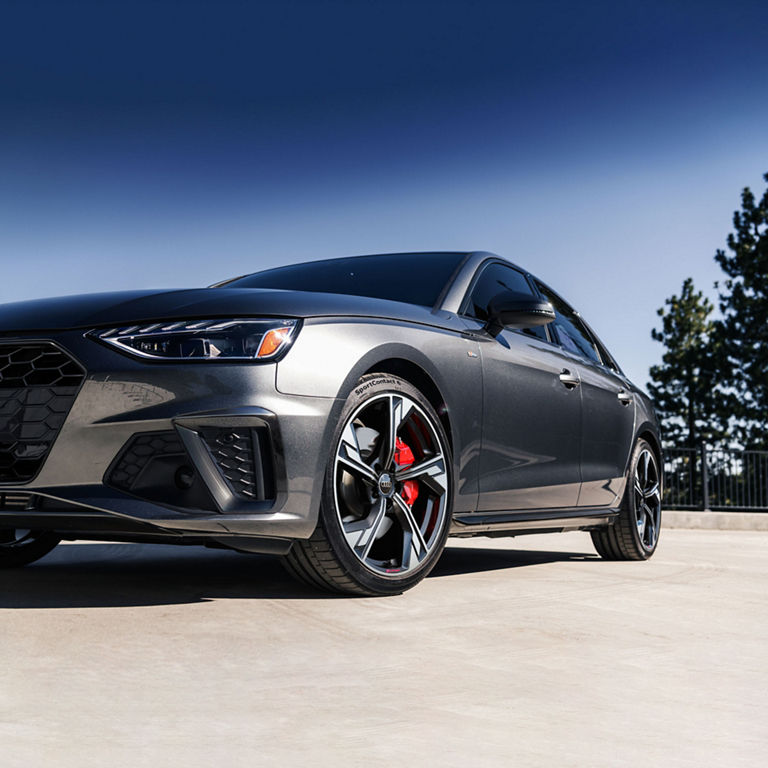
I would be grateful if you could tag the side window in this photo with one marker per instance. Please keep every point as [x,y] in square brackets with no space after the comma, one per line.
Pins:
[494,279]
[571,332]
[608,361]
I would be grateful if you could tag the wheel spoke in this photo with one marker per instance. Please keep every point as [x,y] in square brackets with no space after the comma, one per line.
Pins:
[399,410]
[652,491]
[349,455]
[641,525]
[362,533]
[650,525]
[656,514]
[394,412]
[413,539]
[432,472]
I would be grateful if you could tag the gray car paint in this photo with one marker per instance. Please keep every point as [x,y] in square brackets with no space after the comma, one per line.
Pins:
[532,423]
[608,426]
[358,347]
[342,338]
[127,308]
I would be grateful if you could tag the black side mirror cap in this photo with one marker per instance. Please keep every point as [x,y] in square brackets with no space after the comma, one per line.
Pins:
[517,310]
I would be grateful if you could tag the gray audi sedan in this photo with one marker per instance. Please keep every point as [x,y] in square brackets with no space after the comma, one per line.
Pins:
[347,415]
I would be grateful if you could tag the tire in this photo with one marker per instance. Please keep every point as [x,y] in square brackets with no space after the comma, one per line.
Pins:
[635,532]
[386,504]
[22,547]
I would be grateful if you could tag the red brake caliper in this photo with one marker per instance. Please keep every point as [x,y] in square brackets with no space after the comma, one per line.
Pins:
[403,459]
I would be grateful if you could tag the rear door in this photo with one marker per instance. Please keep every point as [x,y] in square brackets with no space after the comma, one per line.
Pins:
[531,408]
[608,408]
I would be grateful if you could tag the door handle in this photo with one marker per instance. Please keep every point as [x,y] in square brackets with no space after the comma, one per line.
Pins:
[624,397]
[568,379]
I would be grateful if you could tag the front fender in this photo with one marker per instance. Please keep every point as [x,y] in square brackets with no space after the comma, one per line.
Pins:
[329,357]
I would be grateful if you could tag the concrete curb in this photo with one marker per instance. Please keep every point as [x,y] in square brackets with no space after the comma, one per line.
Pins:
[721,521]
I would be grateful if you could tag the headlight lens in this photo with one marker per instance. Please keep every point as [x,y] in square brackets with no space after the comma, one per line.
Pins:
[204,339]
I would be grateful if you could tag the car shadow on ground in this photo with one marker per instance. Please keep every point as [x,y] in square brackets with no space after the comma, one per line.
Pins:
[89,575]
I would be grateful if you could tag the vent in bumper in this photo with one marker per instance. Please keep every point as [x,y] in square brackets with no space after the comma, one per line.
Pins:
[156,467]
[161,467]
[243,456]
[140,450]
[38,384]
[14,501]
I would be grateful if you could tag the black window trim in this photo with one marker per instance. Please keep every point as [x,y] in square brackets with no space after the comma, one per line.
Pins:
[449,283]
[529,278]
[600,348]
[607,359]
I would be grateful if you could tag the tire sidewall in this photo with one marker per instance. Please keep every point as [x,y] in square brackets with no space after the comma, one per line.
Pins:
[368,388]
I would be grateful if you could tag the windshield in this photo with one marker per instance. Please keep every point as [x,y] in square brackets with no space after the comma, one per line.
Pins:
[415,278]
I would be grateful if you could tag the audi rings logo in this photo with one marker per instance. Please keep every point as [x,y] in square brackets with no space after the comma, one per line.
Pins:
[386,485]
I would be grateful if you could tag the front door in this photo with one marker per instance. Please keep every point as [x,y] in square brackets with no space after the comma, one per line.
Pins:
[529,457]
[531,425]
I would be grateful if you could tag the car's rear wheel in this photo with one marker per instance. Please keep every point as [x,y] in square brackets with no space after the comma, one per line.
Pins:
[635,532]
[20,547]
[386,504]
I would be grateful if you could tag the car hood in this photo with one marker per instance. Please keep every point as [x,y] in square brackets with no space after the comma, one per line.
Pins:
[128,307]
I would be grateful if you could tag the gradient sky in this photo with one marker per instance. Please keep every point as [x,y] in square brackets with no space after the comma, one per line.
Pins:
[603,145]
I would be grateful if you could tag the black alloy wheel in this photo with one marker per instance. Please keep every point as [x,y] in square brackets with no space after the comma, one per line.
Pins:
[386,504]
[635,533]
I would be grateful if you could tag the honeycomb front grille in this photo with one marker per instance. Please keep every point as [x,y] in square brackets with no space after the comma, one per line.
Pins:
[38,384]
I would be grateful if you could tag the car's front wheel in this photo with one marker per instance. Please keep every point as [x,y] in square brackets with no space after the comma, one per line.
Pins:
[20,547]
[635,532]
[386,505]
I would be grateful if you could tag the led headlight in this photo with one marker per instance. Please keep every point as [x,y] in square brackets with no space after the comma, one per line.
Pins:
[204,339]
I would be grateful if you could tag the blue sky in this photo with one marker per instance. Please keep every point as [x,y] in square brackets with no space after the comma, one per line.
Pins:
[601,145]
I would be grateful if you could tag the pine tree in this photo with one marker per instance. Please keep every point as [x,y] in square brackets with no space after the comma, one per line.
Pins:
[684,387]
[744,328]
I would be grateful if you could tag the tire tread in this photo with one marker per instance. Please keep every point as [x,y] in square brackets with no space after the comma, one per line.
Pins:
[313,560]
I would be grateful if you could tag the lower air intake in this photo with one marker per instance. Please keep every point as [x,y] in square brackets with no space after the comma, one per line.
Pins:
[155,466]
[244,458]
[140,451]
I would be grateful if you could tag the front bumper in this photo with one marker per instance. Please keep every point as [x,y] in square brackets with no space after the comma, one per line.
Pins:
[75,491]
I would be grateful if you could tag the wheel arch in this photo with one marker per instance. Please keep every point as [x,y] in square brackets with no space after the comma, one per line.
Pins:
[647,433]
[416,375]
[443,364]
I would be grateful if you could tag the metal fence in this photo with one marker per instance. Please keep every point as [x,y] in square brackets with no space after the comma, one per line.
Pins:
[722,479]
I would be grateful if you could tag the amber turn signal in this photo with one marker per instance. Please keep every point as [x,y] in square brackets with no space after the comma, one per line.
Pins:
[272,341]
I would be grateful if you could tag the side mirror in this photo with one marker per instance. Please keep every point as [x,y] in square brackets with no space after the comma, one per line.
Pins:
[517,310]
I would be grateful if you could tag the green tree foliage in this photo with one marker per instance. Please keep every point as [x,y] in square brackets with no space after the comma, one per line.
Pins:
[744,328]
[684,386]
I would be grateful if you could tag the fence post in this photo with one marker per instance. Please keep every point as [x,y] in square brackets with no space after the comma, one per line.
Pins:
[704,478]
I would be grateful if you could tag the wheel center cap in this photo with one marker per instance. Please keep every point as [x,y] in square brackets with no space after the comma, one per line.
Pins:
[386,486]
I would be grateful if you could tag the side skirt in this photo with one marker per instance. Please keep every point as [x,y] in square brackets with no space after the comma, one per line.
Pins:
[531,521]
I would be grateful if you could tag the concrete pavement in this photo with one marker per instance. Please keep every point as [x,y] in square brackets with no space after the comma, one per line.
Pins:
[516,652]
[721,521]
